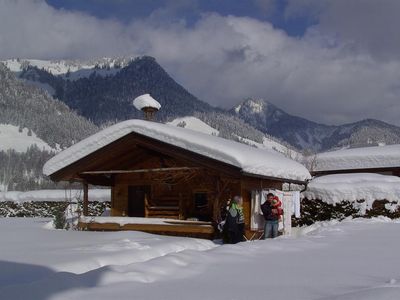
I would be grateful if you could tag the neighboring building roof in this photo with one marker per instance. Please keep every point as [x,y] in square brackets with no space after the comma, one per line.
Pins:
[146,101]
[250,160]
[337,188]
[359,158]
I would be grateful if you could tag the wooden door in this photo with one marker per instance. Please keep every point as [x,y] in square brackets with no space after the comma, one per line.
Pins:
[136,203]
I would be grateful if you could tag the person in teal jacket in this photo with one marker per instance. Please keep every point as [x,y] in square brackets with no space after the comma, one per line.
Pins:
[235,221]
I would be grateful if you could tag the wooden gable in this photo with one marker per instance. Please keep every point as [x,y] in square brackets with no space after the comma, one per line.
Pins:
[136,151]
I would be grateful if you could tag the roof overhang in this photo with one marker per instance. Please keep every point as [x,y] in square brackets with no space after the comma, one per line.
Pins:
[284,180]
[364,170]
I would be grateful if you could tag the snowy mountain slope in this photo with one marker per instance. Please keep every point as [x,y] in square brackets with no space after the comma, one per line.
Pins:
[305,134]
[24,105]
[194,123]
[43,86]
[363,133]
[52,124]
[267,143]
[106,99]
[71,69]
[268,118]
[12,138]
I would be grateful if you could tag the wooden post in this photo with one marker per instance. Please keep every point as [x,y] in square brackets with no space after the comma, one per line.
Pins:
[220,189]
[85,199]
[181,208]
[216,201]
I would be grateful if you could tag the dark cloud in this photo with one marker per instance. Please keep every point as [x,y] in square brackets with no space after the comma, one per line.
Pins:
[323,75]
[362,25]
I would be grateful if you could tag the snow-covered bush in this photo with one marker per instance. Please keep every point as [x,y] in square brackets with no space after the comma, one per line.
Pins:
[59,220]
[313,210]
[45,209]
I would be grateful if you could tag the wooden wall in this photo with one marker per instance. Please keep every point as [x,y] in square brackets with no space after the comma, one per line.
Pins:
[182,193]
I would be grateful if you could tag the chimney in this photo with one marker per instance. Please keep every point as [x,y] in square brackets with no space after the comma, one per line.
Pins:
[148,105]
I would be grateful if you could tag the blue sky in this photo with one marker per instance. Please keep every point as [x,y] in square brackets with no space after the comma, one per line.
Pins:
[331,61]
[190,10]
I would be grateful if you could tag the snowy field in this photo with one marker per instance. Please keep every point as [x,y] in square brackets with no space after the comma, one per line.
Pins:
[354,259]
[11,138]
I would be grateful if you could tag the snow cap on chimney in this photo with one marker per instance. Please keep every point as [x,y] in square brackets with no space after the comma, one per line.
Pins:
[148,105]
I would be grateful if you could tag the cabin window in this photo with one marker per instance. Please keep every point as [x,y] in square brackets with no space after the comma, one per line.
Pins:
[200,201]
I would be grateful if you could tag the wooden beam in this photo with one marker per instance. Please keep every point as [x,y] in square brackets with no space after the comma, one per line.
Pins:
[141,170]
[85,199]
[98,180]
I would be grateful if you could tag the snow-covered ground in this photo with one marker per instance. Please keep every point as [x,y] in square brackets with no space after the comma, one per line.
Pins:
[354,259]
[11,138]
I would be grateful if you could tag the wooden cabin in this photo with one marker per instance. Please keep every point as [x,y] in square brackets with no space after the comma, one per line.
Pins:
[383,160]
[169,180]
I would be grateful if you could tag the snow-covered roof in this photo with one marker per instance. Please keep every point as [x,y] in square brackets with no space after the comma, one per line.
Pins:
[251,160]
[352,187]
[359,158]
[146,101]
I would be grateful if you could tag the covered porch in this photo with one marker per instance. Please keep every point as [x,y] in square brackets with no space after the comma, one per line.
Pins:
[177,201]
[151,225]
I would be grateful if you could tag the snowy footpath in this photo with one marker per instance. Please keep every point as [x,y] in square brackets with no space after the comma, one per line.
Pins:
[353,259]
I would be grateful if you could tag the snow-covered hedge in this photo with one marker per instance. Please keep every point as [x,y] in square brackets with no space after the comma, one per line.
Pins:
[313,210]
[341,195]
[100,195]
[337,188]
[46,203]
[45,209]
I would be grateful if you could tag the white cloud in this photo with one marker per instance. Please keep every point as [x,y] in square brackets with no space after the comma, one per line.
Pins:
[222,59]
[31,28]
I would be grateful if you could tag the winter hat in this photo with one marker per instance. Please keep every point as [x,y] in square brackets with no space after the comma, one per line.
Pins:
[276,202]
[237,200]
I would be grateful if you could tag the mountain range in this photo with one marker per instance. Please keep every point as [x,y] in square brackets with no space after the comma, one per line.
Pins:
[305,134]
[102,91]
